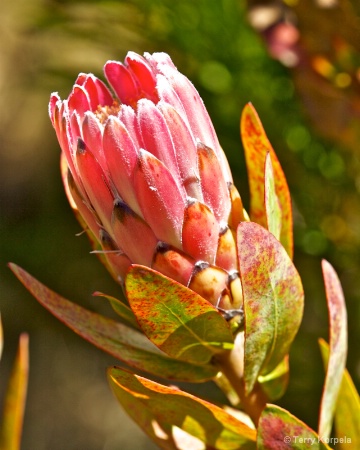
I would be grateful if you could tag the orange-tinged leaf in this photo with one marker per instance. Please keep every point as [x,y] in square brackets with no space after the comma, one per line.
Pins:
[280,430]
[120,341]
[14,405]
[176,319]
[347,411]
[256,146]
[338,348]
[273,300]
[162,411]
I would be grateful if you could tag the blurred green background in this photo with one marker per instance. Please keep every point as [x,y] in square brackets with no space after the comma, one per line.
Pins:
[309,112]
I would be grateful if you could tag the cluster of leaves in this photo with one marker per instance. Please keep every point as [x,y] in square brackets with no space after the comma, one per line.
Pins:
[169,331]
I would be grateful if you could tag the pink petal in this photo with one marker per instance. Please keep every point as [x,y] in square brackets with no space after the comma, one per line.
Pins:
[80,80]
[54,99]
[200,232]
[156,136]
[159,59]
[78,100]
[122,82]
[173,263]
[118,262]
[213,185]
[121,156]
[87,214]
[167,94]
[95,184]
[128,117]
[185,150]
[161,201]
[99,94]
[92,135]
[143,75]
[133,235]
[196,113]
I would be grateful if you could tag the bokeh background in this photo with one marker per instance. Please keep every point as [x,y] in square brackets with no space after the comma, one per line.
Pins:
[297,61]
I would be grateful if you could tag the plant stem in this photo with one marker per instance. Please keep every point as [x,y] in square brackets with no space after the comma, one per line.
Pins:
[231,365]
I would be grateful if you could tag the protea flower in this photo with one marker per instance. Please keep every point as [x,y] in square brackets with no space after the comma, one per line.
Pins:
[148,177]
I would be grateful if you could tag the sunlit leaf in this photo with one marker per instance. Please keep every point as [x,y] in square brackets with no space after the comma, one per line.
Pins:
[272,207]
[176,319]
[338,348]
[347,411]
[161,411]
[120,341]
[256,147]
[121,309]
[15,399]
[273,300]
[275,383]
[280,430]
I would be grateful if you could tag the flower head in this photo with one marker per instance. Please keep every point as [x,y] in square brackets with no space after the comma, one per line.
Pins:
[148,177]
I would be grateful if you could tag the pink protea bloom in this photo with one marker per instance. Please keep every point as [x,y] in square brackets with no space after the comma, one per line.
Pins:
[146,173]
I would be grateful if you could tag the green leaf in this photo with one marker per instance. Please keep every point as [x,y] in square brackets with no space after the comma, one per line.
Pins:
[176,319]
[120,341]
[172,417]
[15,399]
[121,309]
[338,348]
[257,146]
[272,206]
[275,383]
[347,411]
[273,300]
[280,430]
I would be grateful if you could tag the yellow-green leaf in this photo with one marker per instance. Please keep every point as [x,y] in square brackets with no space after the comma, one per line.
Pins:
[176,319]
[121,309]
[15,399]
[272,206]
[338,348]
[347,411]
[273,300]
[169,415]
[117,339]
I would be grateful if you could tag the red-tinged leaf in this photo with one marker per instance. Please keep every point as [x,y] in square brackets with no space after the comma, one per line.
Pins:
[121,309]
[347,412]
[15,399]
[280,430]
[272,207]
[163,411]
[275,383]
[338,348]
[120,341]
[256,146]
[273,300]
[177,320]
